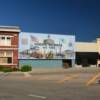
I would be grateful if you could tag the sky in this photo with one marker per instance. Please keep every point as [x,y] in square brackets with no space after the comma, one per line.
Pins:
[69,17]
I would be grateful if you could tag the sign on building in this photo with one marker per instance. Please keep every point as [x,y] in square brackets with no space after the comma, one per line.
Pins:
[46,46]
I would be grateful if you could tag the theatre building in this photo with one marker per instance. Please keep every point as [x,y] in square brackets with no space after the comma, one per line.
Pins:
[9,46]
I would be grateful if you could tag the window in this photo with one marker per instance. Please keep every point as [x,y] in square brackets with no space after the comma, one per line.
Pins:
[5,60]
[8,41]
[2,53]
[9,60]
[9,54]
[6,57]
[5,53]
[3,38]
[5,41]
[8,38]
[2,41]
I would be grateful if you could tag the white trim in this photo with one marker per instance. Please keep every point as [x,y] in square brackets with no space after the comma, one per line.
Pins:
[10,30]
[14,45]
[4,53]
[8,48]
[8,45]
[8,64]
[6,35]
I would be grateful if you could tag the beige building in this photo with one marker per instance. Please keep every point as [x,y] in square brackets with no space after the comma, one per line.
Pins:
[88,53]
[98,45]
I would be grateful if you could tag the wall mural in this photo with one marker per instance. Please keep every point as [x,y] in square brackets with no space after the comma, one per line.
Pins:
[46,46]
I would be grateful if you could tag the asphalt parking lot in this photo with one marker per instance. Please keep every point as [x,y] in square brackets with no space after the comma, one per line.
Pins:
[67,85]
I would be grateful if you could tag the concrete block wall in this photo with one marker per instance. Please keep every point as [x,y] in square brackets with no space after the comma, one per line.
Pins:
[48,64]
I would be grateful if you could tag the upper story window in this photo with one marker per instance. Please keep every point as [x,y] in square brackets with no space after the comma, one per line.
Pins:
[5,40]
[8,38]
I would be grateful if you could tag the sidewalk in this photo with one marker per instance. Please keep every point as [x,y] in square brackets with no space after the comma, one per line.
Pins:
[68,70]
[57,71]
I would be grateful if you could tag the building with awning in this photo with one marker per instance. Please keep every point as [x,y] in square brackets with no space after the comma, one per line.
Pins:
[88,53]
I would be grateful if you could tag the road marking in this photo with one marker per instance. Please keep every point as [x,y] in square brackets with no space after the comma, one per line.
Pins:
[93,79]
[26,74]
[37,96]
[44,78]
[67,78]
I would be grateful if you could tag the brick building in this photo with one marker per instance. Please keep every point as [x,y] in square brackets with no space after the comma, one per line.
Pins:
[9,45]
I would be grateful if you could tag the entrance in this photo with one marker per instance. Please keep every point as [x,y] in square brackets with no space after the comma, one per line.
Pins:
[86,58]
[67,63]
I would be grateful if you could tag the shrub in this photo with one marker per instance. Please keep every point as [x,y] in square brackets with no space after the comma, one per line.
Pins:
[1,67]
[7,69]
[26,68]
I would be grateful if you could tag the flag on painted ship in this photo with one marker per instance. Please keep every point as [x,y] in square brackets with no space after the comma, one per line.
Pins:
[34,39]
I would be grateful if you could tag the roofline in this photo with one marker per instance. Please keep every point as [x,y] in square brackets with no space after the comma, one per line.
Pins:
[48,33]
[10,28]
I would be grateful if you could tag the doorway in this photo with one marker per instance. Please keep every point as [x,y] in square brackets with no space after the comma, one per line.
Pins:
[67,63]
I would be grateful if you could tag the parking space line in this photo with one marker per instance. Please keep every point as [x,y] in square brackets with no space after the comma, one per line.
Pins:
[93,79]
[37,96]
[68,78]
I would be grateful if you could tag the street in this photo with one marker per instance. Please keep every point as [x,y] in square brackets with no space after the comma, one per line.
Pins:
[55,86]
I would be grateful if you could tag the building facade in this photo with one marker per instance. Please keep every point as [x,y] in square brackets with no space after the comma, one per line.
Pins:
[9,37]
[66,51]
[44,50]
[88,53]
[84,54]
[98,46]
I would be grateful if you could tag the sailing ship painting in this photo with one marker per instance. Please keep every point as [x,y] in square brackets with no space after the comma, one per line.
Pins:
[46,46]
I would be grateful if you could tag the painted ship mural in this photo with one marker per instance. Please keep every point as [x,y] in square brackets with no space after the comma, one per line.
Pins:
[45,46]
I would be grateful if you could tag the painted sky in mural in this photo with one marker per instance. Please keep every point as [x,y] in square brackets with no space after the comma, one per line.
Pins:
[46,46]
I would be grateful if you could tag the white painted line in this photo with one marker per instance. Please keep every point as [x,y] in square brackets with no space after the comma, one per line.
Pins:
[37,96]
[26,74]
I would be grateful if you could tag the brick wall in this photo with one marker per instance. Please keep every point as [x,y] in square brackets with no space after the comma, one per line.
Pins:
[14,39]
[14,44]
[15,57]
